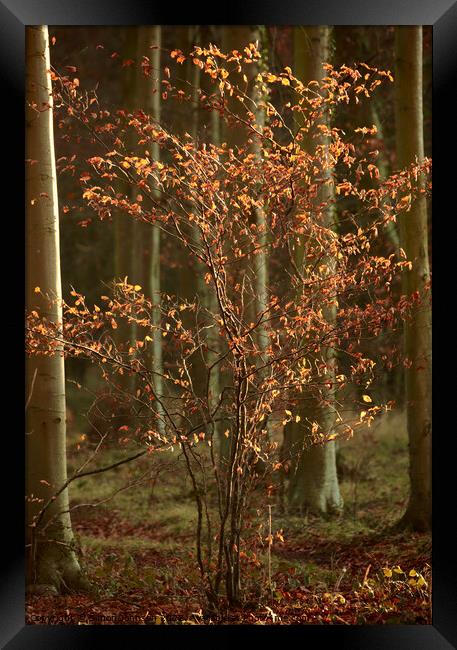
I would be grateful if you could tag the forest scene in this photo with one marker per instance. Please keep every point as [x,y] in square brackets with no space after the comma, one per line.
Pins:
[228,325]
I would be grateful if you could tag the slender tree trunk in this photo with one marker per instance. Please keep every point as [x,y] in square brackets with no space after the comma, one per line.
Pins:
[234,37]
[414,240]
[52,562]
[152,36]
[192,275]
[261,259]
[313,482]
[193,282]
[214,341]
[122,222]
[138,229]
[128,230]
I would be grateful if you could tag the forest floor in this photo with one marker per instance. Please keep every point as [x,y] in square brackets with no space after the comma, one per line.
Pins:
[138,549]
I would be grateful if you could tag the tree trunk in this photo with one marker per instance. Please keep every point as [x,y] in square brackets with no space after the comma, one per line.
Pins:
[192,279]
[214,340]
[313,481]
[127,230]
[123,230]
[261,259]
[414,240]
[233,37]
[138,229]
[192,273]
[236,38]
[314,485]
[52,562]
[151,36]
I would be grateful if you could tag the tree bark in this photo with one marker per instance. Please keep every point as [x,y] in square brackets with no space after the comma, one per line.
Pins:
[237,38]
[152,36]
[313,481]
[52,562]
[206,383]
[414,240]
[127,230]
[261,259]
[214,340]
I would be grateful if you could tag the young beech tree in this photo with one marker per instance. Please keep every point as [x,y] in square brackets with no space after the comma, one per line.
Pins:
[52,563]
[215,190]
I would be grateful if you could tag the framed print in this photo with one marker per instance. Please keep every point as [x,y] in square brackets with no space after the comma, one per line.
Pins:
[221,446]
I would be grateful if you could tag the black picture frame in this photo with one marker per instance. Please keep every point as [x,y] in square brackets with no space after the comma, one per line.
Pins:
[14,16]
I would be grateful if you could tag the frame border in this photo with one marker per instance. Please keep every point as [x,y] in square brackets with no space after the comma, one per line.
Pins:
[14,16]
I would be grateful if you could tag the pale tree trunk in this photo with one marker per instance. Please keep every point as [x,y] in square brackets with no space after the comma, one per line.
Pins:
[151,36]
[212,130]
[237,38]
[127,235]
[414,240]
[207,386]
[130,232]
[192,278]
[261,259]
[214,341]
[122,222]
[138,229]
[52,564]
[234,37]
[313,481]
